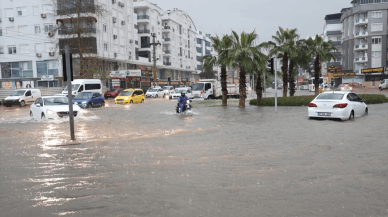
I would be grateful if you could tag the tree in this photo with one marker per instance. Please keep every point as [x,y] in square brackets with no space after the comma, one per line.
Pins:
[260,62]
[285,46]
[243,55]
[221,46]
[76,21]
[320,50]
[208,74]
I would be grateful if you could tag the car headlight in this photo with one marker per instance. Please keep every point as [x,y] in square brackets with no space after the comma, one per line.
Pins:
[187,101]
[85,102]
[50,112]
[126,98]
[6,98]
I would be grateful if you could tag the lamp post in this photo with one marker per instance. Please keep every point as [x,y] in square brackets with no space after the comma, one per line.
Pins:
[154,44]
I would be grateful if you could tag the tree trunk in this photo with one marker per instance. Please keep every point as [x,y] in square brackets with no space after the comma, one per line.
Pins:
[316,72]
[259,89]
[242,88]
[224,87]
[291,78]
[284,70]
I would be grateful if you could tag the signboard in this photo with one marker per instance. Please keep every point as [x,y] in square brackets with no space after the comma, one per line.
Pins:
[47,78]
[344,74]
[373,70]
[134,73]
[146,73]
[118,74]
[332,69]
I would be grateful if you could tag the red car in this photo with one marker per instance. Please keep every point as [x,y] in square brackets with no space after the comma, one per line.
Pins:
[112,93]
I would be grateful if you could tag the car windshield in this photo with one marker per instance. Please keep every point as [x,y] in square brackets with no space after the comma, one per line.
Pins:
[18,93]
[126,93]
[152,90]
[56,101]
[73,87]
[114,90]
[83,96]
[332,96]
[180,90]
[197,86]
[166,88]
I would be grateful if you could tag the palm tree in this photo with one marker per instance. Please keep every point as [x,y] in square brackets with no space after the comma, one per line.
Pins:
[285,48]
[221,46]
[260,62]
[243,54]
[320,50]
[298,57]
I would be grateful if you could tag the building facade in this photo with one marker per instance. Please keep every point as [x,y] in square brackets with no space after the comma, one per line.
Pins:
[332,32]
[364,39]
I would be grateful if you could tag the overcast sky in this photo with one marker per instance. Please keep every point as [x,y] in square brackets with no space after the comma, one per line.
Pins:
[221,16]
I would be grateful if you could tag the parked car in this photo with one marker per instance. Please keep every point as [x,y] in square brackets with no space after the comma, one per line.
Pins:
[80,85]
[89,99]
[21,97]
[344,87]
[130,96]
[178,91]
[304,87]
[383,84]
[168,90]
[155,92]
[337,105]
[112,93]
[48,107]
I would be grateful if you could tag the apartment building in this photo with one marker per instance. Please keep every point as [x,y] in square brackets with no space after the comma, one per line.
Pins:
[364,40]
[28,50]
[332,32]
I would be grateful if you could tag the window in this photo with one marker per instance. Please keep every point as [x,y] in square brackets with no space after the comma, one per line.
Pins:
[11,49]
[376,40]
[377,14]
[1,32]
[47,68]
[92,86]
[105,46]
[17,70]
[48,28]
[24,48]
[22,30]
[104,27]
[21,11]
[38,48]
[47,9]
[377,27]
[376,53]
[35,10]
[10,31]
[1,50]
[8,12]
[37,29]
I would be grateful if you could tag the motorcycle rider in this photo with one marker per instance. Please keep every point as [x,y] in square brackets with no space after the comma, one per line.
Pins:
[182,101]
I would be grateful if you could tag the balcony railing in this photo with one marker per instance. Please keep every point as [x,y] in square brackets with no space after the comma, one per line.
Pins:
[167,63]
[167,27]
[142,31]
[334,43]
[361,59]
[361,47]
[361,21]
[68,31]
[361,34]
[143,17]
[167,52]
[167,39]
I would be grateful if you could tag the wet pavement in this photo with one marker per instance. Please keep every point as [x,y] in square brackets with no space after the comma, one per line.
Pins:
[143,160]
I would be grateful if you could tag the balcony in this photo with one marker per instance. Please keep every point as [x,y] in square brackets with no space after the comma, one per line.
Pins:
[361,34]
[334,43]
[361,60]
[166,28]
[167,40]
[360,22]
[136,26]
[143,31]
[69,31]
[333,32]
[143,17]
[361,47]
[137,42]
[167,53]
[167,63]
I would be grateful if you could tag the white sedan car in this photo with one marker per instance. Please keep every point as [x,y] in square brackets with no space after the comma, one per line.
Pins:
[52,107]
[155,92]
[337,105]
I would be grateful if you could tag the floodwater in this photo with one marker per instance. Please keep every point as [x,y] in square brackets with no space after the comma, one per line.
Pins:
[144,160]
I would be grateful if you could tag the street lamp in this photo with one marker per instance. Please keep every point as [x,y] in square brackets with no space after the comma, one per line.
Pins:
[154,44]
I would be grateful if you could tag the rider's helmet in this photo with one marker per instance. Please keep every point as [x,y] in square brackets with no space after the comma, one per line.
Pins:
[183,94]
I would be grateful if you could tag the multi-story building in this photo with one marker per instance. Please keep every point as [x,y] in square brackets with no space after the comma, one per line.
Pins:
[27,44]
[364,39]
[332,32]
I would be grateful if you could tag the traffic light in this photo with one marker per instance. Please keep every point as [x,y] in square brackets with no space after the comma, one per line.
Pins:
[270,66]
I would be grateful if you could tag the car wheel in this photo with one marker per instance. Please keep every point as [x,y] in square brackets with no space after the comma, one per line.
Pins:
[88,105]
[22,103]
[131,102]
[43,116]
[103,104]
[142,101]
[351,116]
[31,115]
[366,111]
[156,96]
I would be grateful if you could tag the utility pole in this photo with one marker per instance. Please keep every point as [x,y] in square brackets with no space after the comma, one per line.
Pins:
[154,44]
[69,92]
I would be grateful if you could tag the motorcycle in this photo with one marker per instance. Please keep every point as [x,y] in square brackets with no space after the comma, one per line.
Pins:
[186,108]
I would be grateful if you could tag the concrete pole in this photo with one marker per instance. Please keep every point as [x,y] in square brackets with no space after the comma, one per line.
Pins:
[276,86]
[154,56]
[69,92]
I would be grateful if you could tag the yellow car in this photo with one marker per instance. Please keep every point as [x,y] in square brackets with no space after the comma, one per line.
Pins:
[130,96]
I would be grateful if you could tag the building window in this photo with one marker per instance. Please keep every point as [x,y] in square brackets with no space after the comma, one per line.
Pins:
[376,27]
[8,12]
[35,10]
[48,28]
[376,40]
[376,53]
[16,70]
[53,83]
[11,49]
[24,48]
[105,46]
[377,14]
[104,27]
[21,11]
[47,68]
[1,32]
[37,29]
[22,30]
[1,50]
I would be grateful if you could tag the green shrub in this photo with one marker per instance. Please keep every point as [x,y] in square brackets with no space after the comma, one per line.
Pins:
[305,100]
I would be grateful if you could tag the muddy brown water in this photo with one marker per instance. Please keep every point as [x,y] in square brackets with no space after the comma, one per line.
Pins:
[143,160]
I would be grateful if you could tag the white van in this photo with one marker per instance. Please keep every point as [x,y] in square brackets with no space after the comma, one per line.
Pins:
[383,85]
[21,97]
[80,85]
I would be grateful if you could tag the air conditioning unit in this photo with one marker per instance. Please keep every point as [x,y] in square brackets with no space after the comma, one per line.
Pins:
[121,4]
[130,41]
[114,36]
[38,54]
[115,54]
[113,1]
[43,15]
[11,19]
[51,54]
[122,22]
[114,19]
[51,34]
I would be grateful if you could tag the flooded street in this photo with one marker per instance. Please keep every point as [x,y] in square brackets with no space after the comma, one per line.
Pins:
[144,160]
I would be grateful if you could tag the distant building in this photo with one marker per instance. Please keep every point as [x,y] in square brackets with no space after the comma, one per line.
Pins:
[332,31]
